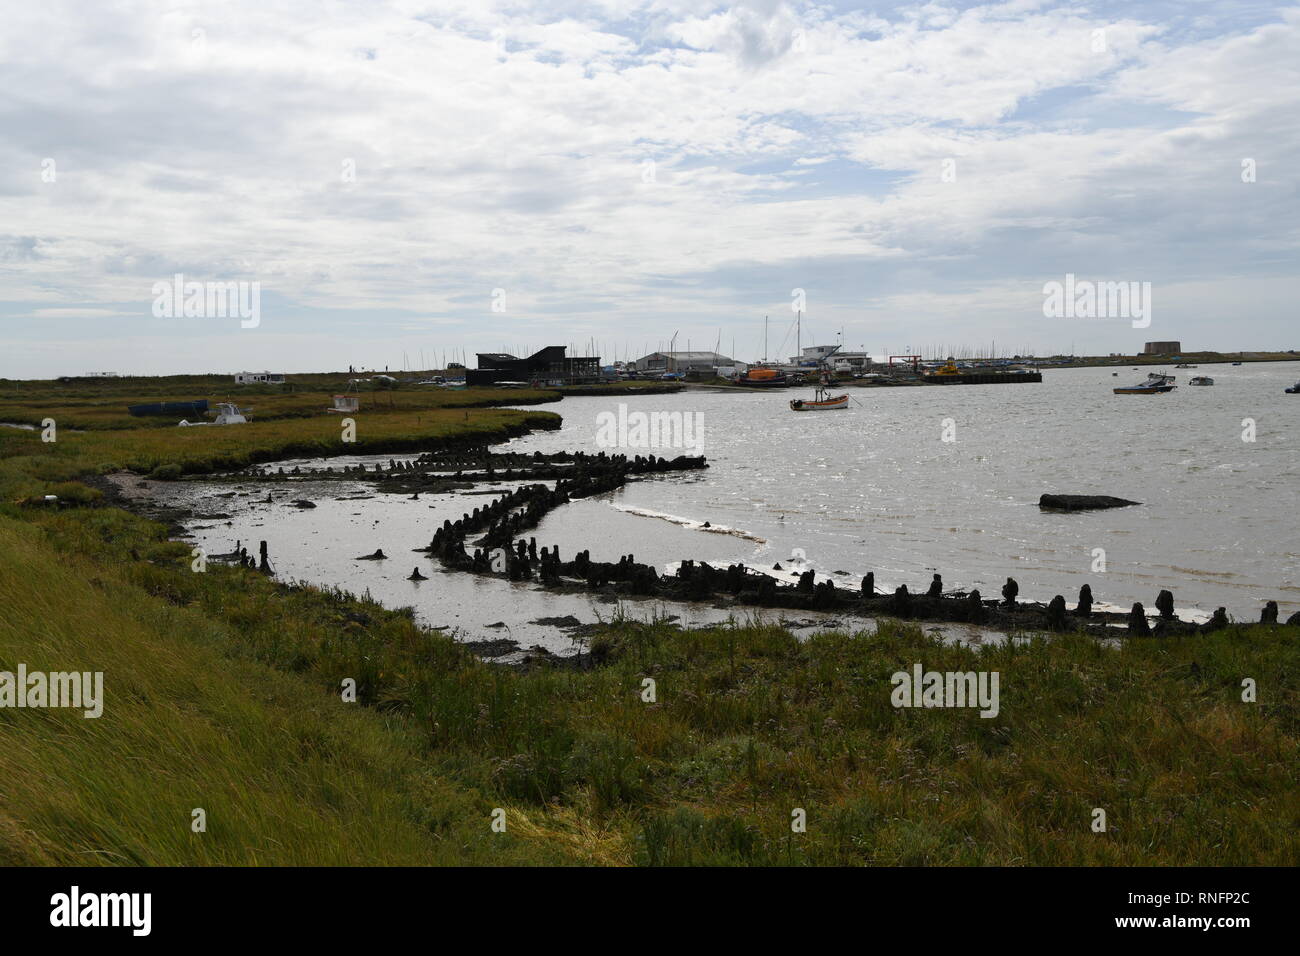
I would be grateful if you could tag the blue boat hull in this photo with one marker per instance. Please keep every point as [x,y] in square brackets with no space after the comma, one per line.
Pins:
[198,407]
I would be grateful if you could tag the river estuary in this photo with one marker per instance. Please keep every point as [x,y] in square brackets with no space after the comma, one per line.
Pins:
[906,482]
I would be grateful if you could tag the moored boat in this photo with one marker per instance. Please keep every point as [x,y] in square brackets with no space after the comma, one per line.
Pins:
[821,402]
[227,414]
[1201,380]
[948,369]
[1155,384]
[761,376]
[196,407]
[1294,389]
[1144,389]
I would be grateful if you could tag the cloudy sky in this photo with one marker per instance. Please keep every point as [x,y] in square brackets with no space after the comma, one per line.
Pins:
[408,177]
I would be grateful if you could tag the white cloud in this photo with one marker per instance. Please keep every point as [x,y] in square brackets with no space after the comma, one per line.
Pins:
[504,146]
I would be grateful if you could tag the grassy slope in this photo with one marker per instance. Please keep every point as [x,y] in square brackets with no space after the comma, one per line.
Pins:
[285,770]
[287,773]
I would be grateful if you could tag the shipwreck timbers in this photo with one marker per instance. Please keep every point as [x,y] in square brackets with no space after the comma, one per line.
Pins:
[489,540]
[1082,502]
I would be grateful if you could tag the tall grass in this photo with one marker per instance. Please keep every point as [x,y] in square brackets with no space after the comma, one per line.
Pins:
[287,774]
[750,723]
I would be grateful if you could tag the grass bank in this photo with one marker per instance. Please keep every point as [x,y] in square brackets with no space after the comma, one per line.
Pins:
[226,684]
[284,773]
[102,405]
[29,466]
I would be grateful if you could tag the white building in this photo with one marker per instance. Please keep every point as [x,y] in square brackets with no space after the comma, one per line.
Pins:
[815,354]
[857,361]
[259,378]
[812,354]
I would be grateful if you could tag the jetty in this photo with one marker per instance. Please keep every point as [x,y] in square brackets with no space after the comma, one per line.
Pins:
[981,378]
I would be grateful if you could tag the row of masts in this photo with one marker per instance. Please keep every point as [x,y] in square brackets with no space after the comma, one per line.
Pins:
[592,348]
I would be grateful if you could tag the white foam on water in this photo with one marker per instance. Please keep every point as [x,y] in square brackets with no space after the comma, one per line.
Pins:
[688,523]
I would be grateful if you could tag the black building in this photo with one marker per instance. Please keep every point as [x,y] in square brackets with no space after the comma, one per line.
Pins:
[547,365]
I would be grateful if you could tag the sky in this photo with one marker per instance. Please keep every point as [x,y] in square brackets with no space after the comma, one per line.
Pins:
[397,183]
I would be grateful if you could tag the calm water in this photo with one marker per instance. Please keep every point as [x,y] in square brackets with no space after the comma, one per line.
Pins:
[873,488]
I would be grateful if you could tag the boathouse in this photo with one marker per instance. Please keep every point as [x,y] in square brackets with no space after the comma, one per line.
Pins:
[657,362]
[548,365]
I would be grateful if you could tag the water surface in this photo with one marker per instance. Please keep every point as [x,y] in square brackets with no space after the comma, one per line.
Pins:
[874,488]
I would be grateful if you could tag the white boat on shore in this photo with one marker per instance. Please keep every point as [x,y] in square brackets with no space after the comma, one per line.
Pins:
[227,414]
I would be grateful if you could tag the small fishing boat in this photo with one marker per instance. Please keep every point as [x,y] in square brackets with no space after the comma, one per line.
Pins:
[821,401]
[1185,366]
[1294,389]
[1154,385]
[1201,380]
[1236,363]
